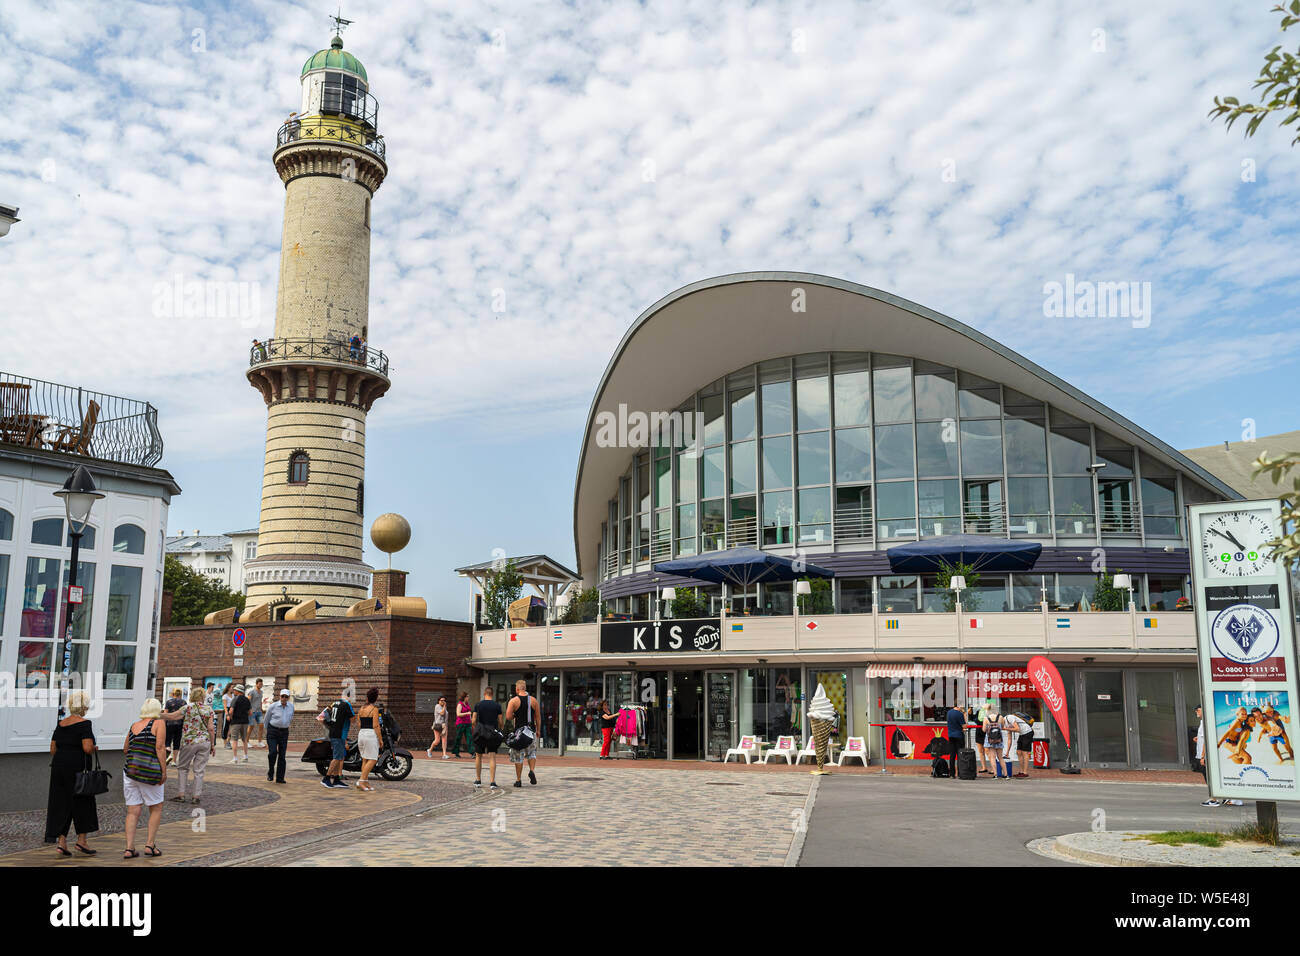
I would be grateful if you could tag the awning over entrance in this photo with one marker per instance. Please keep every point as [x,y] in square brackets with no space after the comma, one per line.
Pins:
[916,670]
[981,552]
[741,567]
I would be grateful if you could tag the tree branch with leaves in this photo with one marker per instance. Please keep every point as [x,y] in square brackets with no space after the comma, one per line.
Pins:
[1278,81]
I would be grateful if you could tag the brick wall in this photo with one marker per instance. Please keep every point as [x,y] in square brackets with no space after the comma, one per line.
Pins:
[386,583]
[333,649]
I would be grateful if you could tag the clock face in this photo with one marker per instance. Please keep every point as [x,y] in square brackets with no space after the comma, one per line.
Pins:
[1232,543]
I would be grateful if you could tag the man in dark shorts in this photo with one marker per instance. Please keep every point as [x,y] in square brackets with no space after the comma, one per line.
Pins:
[485,718]
[237,719]
[525,712]
[1024,742]
[343,714]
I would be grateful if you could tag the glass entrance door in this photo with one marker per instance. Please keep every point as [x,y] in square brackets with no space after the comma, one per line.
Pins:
[720,689]
[1156,727]
[688,714]
[1105,718]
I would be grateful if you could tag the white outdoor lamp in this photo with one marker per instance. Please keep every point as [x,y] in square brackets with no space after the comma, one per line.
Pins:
[801,588]
[1125,581]
[958,584]
[669,594]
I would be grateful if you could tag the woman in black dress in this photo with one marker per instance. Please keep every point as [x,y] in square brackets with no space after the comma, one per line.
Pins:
[72,743]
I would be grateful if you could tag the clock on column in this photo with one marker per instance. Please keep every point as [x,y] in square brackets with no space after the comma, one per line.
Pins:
[1233,544]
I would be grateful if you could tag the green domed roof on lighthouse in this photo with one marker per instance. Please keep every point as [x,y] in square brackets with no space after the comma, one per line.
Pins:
[335,58]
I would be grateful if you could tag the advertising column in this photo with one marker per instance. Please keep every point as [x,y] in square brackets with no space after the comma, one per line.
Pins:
[1246,650]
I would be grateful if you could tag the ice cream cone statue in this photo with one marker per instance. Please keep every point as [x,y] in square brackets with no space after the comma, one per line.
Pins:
[821,712]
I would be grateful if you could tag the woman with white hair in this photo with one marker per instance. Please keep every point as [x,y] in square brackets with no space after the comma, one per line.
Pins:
[198,744]
[70,748]
[144,775]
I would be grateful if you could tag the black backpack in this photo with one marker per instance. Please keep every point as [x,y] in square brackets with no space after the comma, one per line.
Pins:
[939,767]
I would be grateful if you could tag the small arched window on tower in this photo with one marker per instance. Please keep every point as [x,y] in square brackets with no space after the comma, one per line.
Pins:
[361,498]
[299,465]
[367,212]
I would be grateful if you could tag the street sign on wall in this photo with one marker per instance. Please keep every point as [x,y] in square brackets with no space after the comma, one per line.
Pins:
[1245,638]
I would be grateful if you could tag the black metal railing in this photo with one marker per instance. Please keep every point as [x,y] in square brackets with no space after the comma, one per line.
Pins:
[344,98]
[78,421]
[331,350]
[329,130]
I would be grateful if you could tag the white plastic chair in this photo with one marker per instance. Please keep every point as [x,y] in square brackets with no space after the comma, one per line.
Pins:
[785,747]
[809,750]
[854,748]
[748,749]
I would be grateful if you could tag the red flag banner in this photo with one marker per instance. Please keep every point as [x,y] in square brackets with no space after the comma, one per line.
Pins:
[1047,679]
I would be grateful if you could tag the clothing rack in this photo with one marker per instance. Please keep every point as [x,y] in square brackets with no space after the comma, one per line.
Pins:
[635,750]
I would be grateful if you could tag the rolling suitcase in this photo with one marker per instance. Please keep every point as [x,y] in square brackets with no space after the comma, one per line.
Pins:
[966,764]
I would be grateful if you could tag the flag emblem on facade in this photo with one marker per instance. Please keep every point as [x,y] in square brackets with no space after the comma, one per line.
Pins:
[514,636]
[977,622]
[737,627]
[558,633]
[1149,622]
[1062,622]
[891,624]
[811,625]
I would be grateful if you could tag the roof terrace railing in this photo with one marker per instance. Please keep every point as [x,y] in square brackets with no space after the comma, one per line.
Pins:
[79,421]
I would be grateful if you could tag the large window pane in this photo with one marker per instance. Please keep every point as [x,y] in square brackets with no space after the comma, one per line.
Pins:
[643,483]
[939,503]
[48,531]
[1029,504]
[892,388]
[897,594]
[1071,453]
[1073,505]
[894,451]
[979,403]
[663,482]
[129,538]
[711,408]
[119,666]
[1026,446]
[936,448]
[981,448]
[776,408]
[814,515]
[814,403]
[6,525]
[778,517]
[123,604]
[41,597]
[852,393]
[852,454]
[712,524]
[714,480]
[743,421]
[815,458]
[777,467]
[1117,511]
[686,468]
[744,471]
[1159,504]
[896,509]
[35,658]
[1072,590]
[855,596]
[936,392]
[1117,455]
[1027,591]
[1164,591]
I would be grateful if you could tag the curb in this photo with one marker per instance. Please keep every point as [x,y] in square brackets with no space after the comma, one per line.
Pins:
[1057,847]
[796,845]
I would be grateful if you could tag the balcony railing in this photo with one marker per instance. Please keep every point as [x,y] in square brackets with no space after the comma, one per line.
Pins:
[854,524]
[306,350]
[78,421]
[328,129]
[985,519]
[1120,518]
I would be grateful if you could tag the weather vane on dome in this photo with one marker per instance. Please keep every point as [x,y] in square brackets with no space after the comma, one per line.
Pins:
[339,22]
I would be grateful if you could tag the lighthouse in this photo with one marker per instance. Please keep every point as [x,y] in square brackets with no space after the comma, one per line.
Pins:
[318,374]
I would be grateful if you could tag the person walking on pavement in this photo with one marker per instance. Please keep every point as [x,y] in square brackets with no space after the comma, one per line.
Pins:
[224,712]
[439,729]
[172,704]
[526,713]
[1200,758]
[71,748]
[956,736]
[256,729]
[369,721]
[486,721]
[279,717]
[993,739]
[462,725]
[341,718]
[237,719]
[144,775]
[607,722]
[198,744]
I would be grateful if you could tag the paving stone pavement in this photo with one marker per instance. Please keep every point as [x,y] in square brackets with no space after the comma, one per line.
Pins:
[595,814]
[1127,848]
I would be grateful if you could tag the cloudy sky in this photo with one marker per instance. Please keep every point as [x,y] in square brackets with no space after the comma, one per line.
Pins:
[586,159]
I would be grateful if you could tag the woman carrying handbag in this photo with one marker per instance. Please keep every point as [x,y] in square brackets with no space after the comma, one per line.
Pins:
[71,748]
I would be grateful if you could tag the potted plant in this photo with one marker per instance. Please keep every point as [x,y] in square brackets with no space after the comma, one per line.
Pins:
[1077,512]
[971,602]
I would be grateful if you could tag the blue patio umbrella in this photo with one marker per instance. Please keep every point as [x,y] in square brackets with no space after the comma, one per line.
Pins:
[741,567]
[981,552]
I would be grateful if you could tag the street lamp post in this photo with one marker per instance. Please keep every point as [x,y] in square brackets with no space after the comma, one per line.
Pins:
[79,495]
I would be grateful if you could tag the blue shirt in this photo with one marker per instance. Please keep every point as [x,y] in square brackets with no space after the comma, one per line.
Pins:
[279,714]
[956,724]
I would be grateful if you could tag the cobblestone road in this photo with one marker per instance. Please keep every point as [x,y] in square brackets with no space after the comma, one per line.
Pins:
[594,813]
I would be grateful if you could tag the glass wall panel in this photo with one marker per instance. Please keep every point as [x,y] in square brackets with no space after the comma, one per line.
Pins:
[812,392]
[743,417]
[686,529]
[119,667]
[1159,501]
[1073,505]
[777,598]
[1029,504]
[852,391]
[936,391]
[744,474]
[686,477]
[769,703]
[898,594]
[1071,453]
[892,389]
[1072,590]
[981,448]
[123,603]
[1027,591]
[643,483]
[815,458]
[1117,455]
[714,472]
[777,467]
[940,504]
[814,515]
[979,403]
[48,531]
[896,509]
[776,407]
[855,595]
[1164,591]
[712,525]
[40,597]
[711,407]
[583,691]
[1117,506]
[852,454]
[663,482]
[936,449]
[129,538]
[6,525]
[1026,441]
[778,517]
[894,451]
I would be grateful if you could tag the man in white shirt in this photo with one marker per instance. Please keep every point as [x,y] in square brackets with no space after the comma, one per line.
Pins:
[1200,764]
[1024,738]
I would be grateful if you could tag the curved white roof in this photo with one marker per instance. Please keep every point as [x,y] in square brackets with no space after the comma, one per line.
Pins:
[707,329]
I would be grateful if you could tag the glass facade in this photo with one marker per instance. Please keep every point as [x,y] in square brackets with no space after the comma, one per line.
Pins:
[871,449]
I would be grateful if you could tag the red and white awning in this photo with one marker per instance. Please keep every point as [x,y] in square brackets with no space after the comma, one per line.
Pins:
[956,669]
